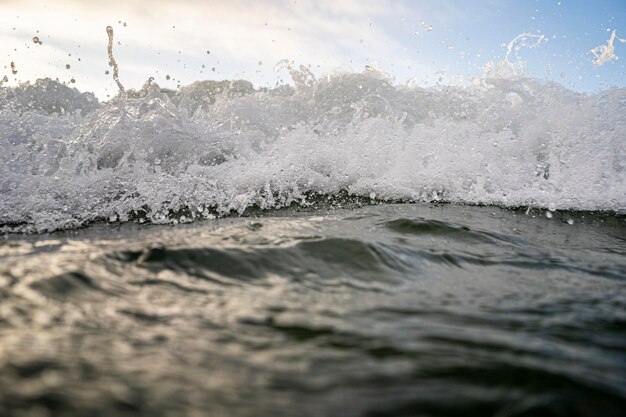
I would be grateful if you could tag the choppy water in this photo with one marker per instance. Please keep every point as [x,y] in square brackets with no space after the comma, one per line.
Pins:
[384,310]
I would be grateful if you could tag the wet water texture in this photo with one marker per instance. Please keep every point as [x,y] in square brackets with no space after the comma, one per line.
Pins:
[386,310]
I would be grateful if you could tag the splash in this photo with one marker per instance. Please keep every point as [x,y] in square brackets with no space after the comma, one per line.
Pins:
[523,40]
[606,53]
[112,62]
[512,65]
[216,148]
[221,147]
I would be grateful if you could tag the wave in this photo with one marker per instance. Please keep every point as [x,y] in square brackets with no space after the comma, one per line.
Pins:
[218,147]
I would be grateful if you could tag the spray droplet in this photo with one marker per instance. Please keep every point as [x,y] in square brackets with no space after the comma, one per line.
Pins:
[112,60]
[425,25]
[167,77]
[35,39]
[13,69]
[72,81]
[606,53]
[67,66]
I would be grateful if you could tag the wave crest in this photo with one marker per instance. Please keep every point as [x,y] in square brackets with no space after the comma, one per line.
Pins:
[211,148]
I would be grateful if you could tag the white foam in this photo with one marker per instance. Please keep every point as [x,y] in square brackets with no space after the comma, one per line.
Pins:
[506,141]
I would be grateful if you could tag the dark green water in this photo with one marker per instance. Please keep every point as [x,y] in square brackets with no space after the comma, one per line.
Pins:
[390,310]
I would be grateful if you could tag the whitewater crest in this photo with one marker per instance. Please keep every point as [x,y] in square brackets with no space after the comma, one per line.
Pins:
[215,148]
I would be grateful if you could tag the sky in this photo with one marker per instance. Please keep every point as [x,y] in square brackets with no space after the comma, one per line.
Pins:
[423,42]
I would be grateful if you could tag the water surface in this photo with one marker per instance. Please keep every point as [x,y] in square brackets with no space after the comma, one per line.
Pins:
[384,310]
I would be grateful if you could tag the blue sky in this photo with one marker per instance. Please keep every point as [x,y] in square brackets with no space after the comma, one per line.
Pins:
[571,28]
[246,39]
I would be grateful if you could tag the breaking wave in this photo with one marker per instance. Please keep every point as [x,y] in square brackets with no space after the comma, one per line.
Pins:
[213,148]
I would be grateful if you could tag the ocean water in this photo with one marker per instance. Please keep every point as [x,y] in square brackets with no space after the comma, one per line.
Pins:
[344,246]
[382,310]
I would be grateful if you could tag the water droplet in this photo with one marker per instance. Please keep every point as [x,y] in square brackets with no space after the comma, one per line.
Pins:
[35,39]
[112,62]
[548,215]
[67,66]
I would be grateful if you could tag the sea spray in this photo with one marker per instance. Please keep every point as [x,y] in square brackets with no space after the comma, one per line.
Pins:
[215,148]
[606,53]
[112,62]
